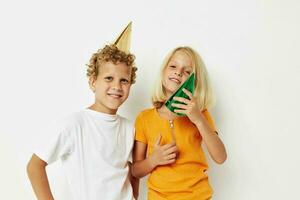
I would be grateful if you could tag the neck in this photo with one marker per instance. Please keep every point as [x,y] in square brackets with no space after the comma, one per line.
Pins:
[100,108]
[166,113]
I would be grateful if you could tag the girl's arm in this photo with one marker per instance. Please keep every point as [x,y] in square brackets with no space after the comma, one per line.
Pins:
[36,170]
[162,155]
[141,165]
[212,141]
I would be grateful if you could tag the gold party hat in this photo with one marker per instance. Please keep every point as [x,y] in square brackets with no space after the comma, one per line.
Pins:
[123,41]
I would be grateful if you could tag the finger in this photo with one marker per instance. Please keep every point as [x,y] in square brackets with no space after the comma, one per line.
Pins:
[179,105]
[182,100]
[169,145]
[170,150]
[168,162]
[157,142]
[190,95]
[170,156]
[180,111]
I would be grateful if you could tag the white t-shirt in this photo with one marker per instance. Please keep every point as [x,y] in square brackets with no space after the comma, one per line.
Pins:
[95,149]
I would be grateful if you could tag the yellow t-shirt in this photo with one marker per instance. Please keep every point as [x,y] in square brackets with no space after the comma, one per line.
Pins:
[186,178]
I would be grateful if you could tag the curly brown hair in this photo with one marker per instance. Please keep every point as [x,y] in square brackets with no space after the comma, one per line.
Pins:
[110,53]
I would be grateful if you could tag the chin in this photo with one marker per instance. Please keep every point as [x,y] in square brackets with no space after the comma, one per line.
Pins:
[114,106]
[171,89]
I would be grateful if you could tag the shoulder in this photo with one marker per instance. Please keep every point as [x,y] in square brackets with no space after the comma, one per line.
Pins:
[128,129]
[206,113]
[126,121]
[209,118]
[71,121]
[146,113]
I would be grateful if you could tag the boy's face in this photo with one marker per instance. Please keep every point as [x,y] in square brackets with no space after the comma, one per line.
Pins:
[111,87]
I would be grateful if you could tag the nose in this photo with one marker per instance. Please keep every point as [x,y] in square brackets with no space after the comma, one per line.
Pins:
[178,73]
[116,85]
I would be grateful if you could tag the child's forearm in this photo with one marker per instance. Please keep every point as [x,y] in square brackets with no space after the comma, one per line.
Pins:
[135,183]
[36,170]
[212,141]
[143,167]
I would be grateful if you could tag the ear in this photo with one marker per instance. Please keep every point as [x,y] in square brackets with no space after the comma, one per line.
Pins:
[92,83]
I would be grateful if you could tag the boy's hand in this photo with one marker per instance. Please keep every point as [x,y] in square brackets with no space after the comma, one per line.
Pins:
[163,155]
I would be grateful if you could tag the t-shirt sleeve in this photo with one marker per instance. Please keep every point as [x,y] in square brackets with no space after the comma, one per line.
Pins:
[59,146]
[140,129]
[210,120]
[131,144]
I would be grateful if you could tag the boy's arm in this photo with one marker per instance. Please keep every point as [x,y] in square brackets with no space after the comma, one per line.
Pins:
[36,170]
[135,183]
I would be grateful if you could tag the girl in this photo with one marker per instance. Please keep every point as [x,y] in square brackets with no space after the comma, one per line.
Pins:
[168,147]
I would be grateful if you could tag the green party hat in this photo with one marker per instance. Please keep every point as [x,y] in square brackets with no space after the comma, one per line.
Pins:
[189,85]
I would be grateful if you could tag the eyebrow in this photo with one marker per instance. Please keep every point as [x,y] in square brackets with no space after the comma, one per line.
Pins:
[112,75]
[186,67]
[174,61]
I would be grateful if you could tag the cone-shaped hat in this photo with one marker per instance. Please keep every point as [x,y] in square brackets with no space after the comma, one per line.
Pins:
[124,39]
[189,85]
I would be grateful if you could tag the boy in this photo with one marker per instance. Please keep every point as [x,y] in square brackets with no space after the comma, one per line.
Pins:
[95,144]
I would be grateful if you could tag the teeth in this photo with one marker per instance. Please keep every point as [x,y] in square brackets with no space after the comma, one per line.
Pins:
[175,80]
[115,95]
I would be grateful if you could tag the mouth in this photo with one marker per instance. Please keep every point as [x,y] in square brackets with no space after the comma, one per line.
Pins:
[115,95]
[175,80]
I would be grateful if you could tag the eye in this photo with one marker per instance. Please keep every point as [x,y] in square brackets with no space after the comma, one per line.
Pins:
[123,80]
[108,78]
[172,66]
[188,72]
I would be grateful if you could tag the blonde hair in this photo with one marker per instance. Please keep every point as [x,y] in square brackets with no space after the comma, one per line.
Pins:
[110,53]
[203,92]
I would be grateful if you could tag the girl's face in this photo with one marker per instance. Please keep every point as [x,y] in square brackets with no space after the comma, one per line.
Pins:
[177,70]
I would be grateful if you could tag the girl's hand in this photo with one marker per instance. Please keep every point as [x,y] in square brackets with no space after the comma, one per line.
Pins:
[163,155]
[214,144]
[189,108]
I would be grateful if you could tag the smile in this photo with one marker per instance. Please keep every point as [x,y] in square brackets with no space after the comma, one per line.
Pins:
[175,80]
[115,96]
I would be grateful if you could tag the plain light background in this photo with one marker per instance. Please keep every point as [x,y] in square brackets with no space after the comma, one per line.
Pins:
[251,50]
